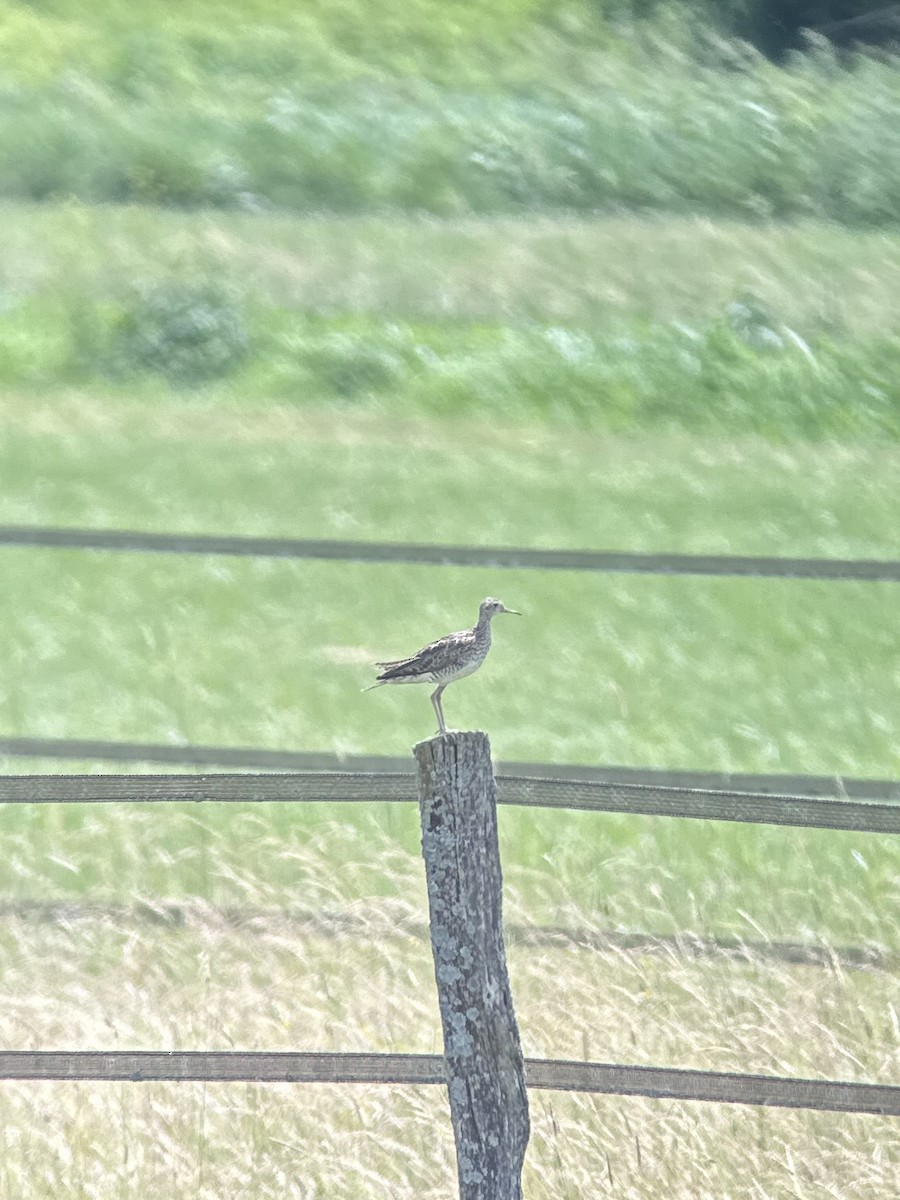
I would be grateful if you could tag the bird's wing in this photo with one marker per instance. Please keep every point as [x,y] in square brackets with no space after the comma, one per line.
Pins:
[429,658]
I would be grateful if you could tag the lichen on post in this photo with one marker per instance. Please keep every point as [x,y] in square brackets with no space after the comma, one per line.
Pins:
[482,1052]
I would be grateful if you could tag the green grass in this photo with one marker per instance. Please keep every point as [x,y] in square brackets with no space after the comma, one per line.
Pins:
[788,333]
[758,675]
[597,274]
[195,465]
[730,674]
[273,981]
[636,875]
[684,673]
[201,47]
[417,107]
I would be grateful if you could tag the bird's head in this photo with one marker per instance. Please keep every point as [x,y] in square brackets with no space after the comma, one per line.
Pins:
[490,607]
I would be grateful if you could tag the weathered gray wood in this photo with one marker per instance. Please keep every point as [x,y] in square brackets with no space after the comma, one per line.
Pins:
[482,1053]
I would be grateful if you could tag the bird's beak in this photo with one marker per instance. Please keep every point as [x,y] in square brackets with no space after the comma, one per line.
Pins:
[512,612]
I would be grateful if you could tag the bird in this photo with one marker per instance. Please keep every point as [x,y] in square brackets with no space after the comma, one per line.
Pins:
[447,659]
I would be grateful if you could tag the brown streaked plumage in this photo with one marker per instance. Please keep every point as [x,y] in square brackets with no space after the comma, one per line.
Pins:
[447,659]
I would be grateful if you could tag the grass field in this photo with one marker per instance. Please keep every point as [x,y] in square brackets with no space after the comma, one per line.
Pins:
[327,902]
[593,273]
[223,308]
[694,673]
[627,326]
[274,653]
[275,984]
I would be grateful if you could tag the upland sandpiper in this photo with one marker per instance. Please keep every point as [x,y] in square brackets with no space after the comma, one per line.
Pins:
[449,658]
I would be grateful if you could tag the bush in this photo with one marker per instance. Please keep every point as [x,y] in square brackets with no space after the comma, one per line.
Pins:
[345,365]
[743,373]
[189,334]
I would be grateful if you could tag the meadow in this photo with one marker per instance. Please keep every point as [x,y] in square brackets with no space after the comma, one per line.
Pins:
[528,276]
[289,921]
[624,326]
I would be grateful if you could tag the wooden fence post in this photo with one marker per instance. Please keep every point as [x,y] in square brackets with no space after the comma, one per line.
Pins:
[482,1052]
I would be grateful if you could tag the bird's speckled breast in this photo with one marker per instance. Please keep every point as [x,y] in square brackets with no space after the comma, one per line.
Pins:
[467,667]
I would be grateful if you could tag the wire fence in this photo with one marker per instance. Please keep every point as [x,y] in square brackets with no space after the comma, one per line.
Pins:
[805,801]
[870,570]
[619,1079]
[257,758]
[670,1083]
[812,812]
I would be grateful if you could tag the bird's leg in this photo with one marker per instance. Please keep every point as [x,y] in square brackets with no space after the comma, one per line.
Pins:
[436,701]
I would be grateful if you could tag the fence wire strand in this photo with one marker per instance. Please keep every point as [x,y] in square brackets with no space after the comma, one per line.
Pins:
[871,570]
[813,812]
[662,1083]
[259,759]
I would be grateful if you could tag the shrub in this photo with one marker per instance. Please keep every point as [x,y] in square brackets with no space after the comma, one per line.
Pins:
[350,366]
[188,333]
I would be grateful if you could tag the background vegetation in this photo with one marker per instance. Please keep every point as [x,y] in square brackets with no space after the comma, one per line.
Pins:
[666,326]
[442,110]
[589,275]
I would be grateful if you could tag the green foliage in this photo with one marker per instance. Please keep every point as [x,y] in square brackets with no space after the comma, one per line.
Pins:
[736,374]
[217,45]
[625,325]
[337,362]
[188,334]
[565,118]
[742,373]
[779,26]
